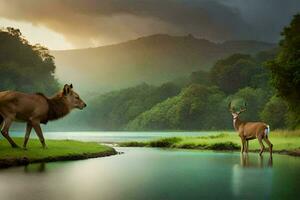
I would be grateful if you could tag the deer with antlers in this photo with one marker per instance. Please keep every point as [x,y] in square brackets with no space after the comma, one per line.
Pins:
[250,130]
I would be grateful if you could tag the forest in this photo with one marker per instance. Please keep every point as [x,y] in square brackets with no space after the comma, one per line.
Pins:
[198,102]
[268,81]
[25,67]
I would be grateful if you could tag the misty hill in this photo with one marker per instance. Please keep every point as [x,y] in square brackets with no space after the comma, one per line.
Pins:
[152,59]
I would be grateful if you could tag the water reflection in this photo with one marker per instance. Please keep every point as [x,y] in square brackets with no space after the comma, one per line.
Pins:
[146,173]
[254,173]
[260,162]
[33,168]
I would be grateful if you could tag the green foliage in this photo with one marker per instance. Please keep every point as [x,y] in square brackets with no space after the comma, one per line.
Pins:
[275,113]
[165,142]
[285,69]
[256,100]
[230,74]
[224,146]
[238,71]
[293,119]
[115,109]
[200,105]
[133,144]
[200,77]
[196,107]
[25,67]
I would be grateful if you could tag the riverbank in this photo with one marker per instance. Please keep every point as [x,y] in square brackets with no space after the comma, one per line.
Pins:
[285,142]
[57,150]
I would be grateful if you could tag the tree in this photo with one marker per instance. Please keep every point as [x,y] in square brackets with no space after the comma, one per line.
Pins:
[234,72]
[196,107]
[199,77]
[285,68]
[25,67]
[275,113]
[113,110]
[255,99]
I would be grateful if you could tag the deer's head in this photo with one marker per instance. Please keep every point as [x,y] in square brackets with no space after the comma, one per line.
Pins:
[73,99]
[235,114]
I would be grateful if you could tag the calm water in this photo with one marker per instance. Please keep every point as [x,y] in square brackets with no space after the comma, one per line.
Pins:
[147,173]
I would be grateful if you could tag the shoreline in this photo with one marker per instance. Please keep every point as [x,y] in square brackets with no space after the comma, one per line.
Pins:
[294,153]
[14,162]
[58,150]
[284,142]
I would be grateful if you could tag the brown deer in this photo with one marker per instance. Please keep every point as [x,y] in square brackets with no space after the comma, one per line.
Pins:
[34,109]
[251,130]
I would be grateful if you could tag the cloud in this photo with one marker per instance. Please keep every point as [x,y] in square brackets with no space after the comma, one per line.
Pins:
[91,23]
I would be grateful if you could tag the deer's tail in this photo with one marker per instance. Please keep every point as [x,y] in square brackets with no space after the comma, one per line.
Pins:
[267,131]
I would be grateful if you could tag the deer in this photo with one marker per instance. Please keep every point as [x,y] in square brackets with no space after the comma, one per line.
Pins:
[250,130]
[34,109]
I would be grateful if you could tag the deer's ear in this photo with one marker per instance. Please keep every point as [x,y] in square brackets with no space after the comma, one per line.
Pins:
[66,89]
[71,86]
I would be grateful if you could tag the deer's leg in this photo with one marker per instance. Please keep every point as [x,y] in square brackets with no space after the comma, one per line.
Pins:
[5,133]
[262,147]
[243,145]
[244,160]
[266,139]
[27,134]
[38,130]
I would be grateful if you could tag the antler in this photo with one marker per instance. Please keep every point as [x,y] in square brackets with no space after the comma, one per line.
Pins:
[243,109]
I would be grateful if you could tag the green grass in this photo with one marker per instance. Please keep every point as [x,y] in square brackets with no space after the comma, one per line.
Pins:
[282,140]
[55,148]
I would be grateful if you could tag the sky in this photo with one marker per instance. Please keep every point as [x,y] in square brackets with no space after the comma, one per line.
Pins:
[69,24]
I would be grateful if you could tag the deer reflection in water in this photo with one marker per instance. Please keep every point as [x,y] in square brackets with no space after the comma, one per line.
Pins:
[247,163]
[252,169]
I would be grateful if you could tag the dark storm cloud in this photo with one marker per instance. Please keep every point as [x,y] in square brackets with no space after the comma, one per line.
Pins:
[107,21]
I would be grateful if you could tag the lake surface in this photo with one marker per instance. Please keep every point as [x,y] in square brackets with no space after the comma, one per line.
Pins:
[148,173]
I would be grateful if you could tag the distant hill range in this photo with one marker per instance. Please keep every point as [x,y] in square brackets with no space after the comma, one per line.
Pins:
[152,59]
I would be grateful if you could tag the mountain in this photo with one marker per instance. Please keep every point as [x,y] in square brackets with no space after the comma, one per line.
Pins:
[153,59]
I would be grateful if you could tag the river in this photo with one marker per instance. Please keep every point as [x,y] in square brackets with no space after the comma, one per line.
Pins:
[148,173]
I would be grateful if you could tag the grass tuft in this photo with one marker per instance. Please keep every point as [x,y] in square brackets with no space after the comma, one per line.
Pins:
[224,146]
[133,144]
[165,142]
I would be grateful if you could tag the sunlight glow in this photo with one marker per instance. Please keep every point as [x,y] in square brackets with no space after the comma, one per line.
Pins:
[35,33]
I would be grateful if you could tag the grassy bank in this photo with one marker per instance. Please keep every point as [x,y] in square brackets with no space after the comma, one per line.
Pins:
[58,150]
[283,141]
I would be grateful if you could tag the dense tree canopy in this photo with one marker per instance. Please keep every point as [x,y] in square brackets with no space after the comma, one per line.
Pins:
[193,103]
[285,68]
[275,113]
[25,67]
[255,99]
[238,71]
[196,107]
[112,111]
